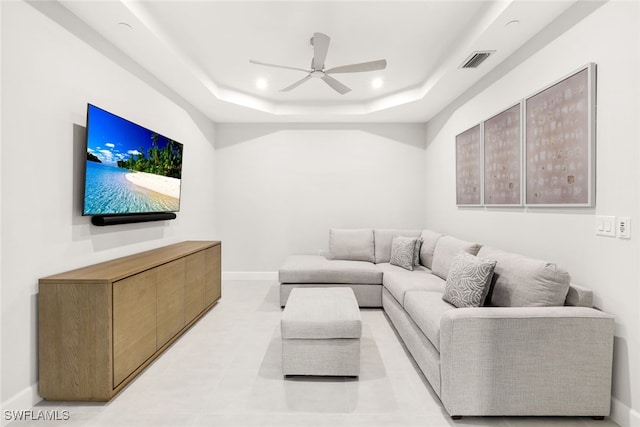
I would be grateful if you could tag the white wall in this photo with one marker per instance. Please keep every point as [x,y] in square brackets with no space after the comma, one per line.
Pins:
[1,135]
[609,37]
[280,187]
[48,76]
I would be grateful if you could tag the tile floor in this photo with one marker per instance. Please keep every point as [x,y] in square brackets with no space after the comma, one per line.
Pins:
[225,371]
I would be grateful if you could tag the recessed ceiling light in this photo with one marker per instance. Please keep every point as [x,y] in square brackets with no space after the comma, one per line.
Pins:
[512,24]
[261,83]
[377,83]
[125,25]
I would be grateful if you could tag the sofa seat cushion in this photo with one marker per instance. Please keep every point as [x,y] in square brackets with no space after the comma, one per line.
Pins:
[426,308]
[318,269]
[520,281]
[399,283]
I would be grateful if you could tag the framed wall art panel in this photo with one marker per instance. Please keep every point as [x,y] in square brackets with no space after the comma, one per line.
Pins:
[468,167]
[502,137]
[560,142]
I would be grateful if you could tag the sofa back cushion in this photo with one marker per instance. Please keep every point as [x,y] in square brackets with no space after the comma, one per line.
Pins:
[383,238]
[519,281]
[351,244]
[446,249]
[429,240]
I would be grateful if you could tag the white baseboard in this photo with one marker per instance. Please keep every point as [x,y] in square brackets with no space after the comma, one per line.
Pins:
[624,416]
[250,275]
[23,401]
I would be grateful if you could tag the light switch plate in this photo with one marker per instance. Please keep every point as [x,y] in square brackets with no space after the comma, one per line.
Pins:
[606,226]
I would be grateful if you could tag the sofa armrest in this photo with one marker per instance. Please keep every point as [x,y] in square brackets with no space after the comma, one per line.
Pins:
[526,361]
[578,296]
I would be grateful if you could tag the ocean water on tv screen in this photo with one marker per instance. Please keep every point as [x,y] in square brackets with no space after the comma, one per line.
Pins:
[108,191]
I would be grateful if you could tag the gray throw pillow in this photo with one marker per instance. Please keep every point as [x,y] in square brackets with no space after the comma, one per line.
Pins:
[416,251]
[403,252]
[468,280]
[383,237]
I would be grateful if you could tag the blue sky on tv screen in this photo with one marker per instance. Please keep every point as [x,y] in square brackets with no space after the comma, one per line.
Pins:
[112,138]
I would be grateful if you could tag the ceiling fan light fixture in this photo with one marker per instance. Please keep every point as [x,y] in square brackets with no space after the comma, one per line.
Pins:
[377,83]
[261,83]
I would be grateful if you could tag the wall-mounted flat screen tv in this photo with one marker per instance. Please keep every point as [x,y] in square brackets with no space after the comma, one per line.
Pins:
[129,169]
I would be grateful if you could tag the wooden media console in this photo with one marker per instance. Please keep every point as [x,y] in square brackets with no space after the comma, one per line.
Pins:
[99,326]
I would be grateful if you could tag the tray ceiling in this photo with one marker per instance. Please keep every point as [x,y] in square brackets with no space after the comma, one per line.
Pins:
[201,50]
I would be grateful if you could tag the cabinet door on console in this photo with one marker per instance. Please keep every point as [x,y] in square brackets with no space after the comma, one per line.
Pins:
[74,341]
[171,299]
[134,323]
[194,284]
[212,275]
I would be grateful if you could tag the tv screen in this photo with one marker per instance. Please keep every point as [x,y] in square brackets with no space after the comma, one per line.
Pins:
[129,169]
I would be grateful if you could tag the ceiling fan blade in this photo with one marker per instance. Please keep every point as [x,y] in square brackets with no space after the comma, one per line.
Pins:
[253,61]
[356,68]
[296,84]
[320,49]
[336,85]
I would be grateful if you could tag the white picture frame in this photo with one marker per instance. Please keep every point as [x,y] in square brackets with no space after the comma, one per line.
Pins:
[559,142]
[468,148]
[502,157]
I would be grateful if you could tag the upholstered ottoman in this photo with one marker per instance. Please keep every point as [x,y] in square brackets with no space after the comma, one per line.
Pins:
[321,330]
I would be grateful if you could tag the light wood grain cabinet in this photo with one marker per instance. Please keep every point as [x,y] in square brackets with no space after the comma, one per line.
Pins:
[171,300]
[100,325]
[195,286]
[212,274]
[134,323]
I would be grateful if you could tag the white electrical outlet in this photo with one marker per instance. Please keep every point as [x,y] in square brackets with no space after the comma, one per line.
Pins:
[623,227]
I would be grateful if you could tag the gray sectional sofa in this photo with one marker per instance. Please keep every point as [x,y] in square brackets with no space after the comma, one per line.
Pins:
[533,345]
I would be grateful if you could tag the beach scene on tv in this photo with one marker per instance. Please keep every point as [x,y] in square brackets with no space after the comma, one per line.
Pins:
[130,169]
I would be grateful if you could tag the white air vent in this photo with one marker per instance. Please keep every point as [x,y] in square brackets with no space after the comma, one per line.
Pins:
[476,58]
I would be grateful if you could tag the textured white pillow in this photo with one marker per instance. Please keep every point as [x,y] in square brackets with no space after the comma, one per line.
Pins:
[468,280]
[403,252]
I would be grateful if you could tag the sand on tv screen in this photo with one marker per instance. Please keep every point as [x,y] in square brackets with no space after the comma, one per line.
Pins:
[129,169]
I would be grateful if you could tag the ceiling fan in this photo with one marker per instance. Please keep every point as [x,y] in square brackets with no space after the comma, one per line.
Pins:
[320,43]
